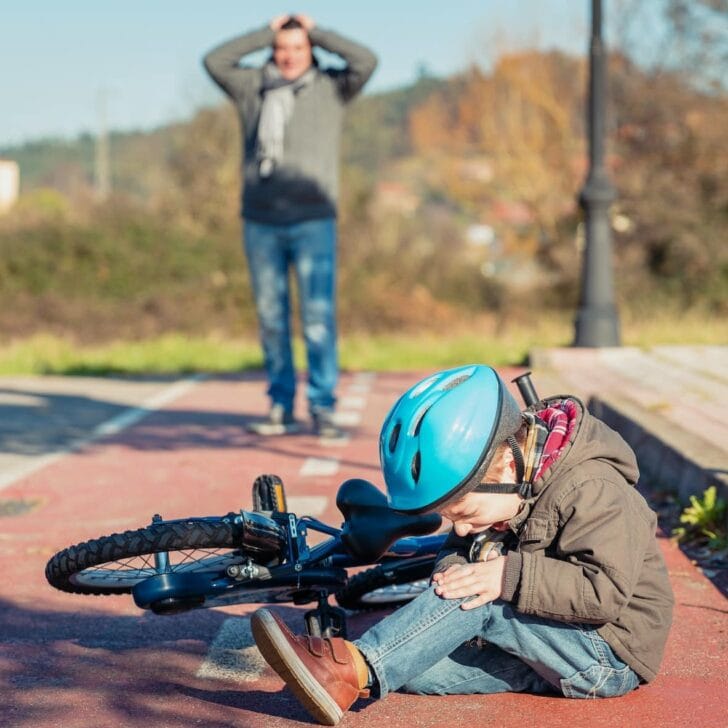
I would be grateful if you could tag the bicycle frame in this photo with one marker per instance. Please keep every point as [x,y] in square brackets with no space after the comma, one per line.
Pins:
[263,555]
[304,574]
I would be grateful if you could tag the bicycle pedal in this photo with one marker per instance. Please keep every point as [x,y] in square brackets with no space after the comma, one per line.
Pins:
[326,622]
[269,494]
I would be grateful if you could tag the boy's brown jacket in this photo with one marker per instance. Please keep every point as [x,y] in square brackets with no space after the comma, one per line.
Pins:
[586,549]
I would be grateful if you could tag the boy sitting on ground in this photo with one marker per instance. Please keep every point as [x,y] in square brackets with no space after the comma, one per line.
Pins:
[578,603]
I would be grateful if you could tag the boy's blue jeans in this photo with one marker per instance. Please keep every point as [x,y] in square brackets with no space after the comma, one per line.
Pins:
[421,648]
[309,248]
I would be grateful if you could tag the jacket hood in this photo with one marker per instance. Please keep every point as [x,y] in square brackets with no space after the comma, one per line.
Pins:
[591,439]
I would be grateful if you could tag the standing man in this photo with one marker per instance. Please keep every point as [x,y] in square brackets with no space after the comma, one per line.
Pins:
[291,113]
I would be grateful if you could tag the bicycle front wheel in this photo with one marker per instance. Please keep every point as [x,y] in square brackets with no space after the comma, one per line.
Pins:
[387,585]
[115,564]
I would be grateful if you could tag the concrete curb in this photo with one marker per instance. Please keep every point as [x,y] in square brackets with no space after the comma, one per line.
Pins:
[677,461]
[671,457]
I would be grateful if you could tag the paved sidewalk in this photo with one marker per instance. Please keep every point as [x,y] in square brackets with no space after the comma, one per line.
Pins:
[44,418]
[78,661]
[668,402]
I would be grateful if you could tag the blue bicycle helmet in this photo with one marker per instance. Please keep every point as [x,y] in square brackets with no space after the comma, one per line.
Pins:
[439,438]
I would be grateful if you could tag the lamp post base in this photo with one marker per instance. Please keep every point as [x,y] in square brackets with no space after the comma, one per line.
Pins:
[597,327]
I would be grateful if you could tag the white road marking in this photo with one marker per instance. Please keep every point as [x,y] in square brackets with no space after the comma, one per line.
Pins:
[352,402]
[307,505]
[21,471]
[334,441]
[233,654]
[110,427]
[319,467]
[347,418]
[362,383]
[360,377]
[21,399]
[157,401]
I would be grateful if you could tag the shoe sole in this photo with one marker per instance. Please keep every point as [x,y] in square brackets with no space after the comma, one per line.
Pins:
[278,653]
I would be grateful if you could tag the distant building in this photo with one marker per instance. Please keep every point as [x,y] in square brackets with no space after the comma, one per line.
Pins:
[9,184]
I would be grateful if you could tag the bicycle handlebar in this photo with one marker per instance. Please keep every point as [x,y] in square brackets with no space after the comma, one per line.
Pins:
[526,388]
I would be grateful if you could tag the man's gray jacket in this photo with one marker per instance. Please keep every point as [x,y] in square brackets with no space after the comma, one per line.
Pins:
[304,186]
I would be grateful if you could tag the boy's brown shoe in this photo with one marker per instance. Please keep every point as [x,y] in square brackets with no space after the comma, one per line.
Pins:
[320,671]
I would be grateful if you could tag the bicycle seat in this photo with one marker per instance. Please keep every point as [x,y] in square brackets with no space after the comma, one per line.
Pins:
[370,525]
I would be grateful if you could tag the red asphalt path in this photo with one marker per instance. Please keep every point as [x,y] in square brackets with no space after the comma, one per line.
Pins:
[68,660]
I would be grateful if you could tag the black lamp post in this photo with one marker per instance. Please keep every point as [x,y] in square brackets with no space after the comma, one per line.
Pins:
[597,323]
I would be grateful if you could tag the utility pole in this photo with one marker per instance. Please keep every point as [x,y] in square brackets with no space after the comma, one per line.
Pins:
[102,161]
[597,323]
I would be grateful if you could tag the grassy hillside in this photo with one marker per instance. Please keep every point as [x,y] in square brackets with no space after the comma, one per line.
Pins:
[376,131]
[459,202]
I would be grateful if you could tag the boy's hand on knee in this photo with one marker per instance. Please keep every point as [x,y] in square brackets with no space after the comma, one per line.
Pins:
[482,580]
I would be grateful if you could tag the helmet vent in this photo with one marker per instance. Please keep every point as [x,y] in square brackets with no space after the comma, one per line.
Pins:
[452,383]
[394,437]
[415,467]
[419,422]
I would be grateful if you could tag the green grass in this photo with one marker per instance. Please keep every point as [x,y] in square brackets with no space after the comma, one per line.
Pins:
[391,352]
[483,342]
[704,521]
[176,354]
[170,354]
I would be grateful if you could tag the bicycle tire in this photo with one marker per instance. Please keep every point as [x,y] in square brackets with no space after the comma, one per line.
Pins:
[387,585]
[79,569]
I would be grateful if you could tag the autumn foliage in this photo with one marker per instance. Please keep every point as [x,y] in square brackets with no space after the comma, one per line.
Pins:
[459,197]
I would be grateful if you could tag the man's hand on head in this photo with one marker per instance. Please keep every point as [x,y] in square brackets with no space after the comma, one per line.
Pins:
[306,21]
[276,23]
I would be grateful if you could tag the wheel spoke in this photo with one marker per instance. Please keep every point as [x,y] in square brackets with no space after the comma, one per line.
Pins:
[129,571]
[114,564]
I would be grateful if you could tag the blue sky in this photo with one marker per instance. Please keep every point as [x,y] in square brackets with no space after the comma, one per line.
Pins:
[143,56]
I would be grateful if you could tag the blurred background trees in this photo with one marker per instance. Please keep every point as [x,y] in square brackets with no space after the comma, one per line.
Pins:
[459,200]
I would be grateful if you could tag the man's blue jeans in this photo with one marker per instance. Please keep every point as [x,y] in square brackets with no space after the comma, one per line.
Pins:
[310,249]
[423,648]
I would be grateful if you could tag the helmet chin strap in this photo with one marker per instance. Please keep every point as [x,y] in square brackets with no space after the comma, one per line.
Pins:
[517,458]
[520,487]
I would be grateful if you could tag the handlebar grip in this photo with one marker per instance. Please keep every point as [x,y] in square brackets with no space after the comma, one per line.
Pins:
[526,388]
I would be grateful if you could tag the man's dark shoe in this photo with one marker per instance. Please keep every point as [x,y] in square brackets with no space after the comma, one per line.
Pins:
[320,671]
[280,422]
[325,426]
